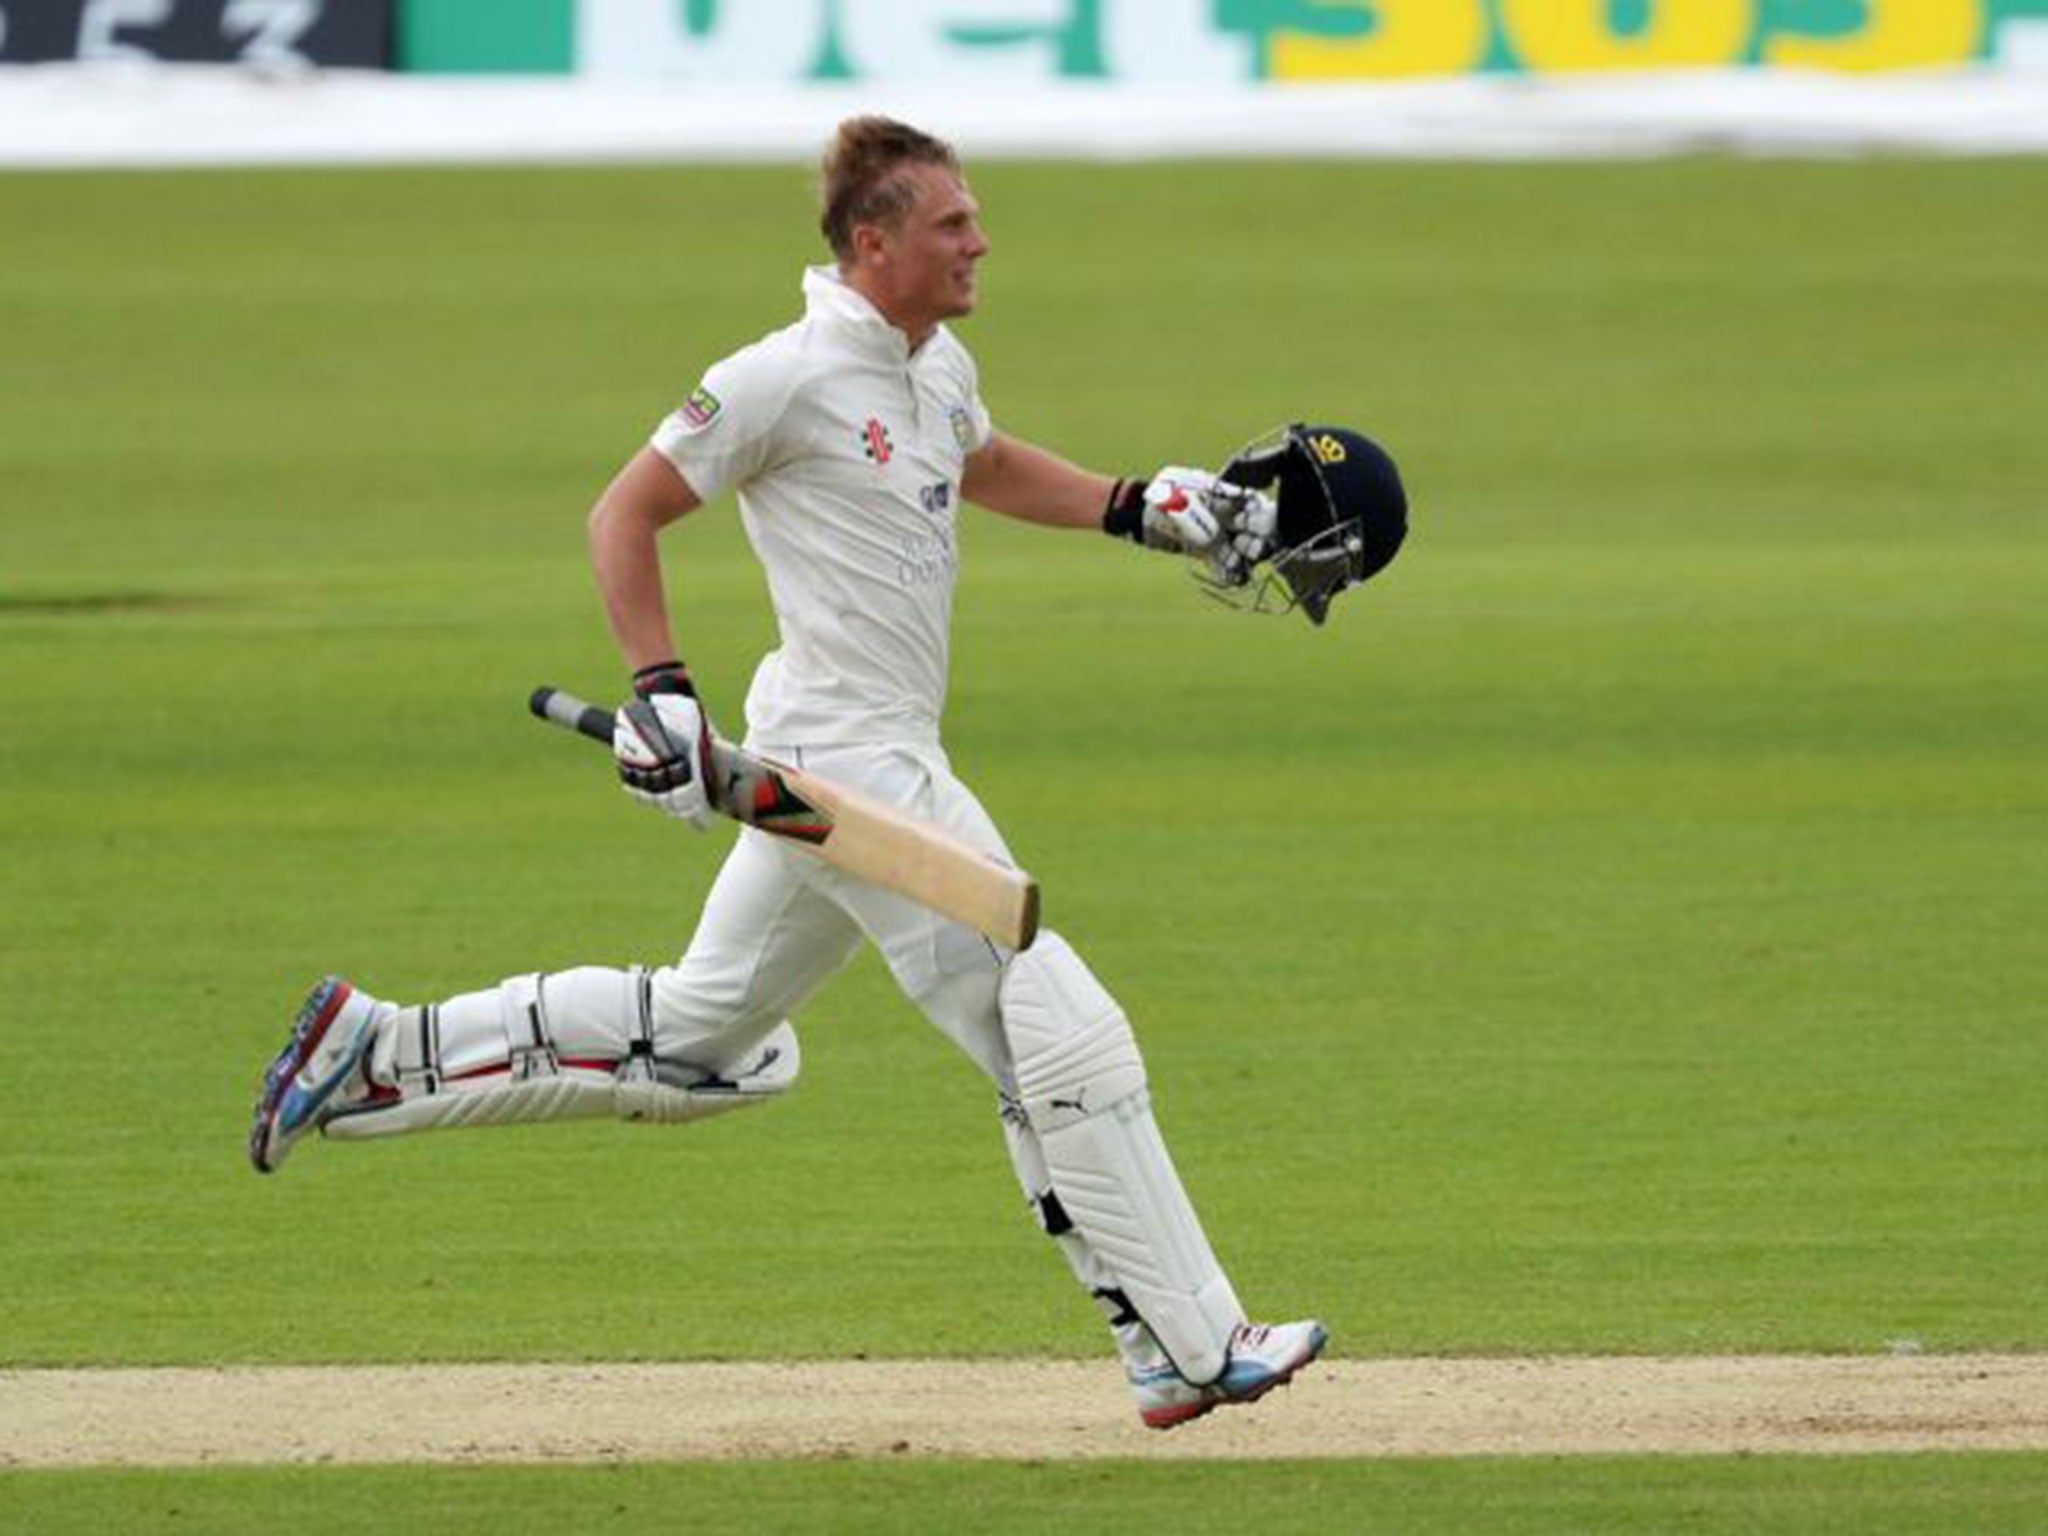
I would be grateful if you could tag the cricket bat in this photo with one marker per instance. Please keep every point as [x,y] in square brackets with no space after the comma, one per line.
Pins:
[848,830]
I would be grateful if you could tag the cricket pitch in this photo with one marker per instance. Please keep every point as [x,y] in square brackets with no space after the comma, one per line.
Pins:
[1014,1410]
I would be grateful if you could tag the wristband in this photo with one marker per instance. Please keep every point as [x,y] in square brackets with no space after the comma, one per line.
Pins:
[664,677]
[1123,515]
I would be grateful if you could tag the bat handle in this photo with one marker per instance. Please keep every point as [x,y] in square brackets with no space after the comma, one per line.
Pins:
[560,707]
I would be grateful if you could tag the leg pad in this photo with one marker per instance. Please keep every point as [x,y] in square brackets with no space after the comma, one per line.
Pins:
[1081,1082]
[640,1088]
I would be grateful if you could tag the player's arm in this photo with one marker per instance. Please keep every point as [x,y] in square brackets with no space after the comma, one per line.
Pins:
[1187,511]
[643,498]
[1021,480]
[661,738]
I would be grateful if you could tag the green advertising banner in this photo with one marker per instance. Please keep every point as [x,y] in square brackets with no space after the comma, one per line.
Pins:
[1016,42]
[486,37]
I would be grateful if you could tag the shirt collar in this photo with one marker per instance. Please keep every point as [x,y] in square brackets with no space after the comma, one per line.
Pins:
[830,298]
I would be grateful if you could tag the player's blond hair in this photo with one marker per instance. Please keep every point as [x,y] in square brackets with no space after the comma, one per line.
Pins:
[863,181]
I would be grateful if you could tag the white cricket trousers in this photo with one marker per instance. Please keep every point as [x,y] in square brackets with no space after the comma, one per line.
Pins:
[779,922]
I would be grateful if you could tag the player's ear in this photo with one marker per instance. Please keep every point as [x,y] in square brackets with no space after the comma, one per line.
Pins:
[870,244]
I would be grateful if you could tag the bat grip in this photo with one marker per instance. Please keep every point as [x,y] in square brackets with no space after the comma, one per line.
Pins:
[560,707]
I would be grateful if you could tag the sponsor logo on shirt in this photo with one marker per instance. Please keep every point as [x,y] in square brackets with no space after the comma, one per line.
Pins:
[875,441]
[963,427]
[925,560]
[701,409]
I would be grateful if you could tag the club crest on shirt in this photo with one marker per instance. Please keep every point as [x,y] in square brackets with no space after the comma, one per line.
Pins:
[701,409]
[875,443]
[963,427]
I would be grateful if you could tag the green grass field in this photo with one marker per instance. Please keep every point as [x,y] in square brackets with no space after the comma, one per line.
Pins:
[1874,1496]
[1619,930]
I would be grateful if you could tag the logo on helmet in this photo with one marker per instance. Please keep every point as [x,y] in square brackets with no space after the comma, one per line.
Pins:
[1326,448]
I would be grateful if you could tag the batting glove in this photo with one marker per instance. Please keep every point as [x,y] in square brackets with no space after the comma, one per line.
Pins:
[1177,513]
[1250,523]
[663,745]
[1170,511]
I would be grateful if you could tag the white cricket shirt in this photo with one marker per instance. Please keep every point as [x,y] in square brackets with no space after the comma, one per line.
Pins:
[846,450]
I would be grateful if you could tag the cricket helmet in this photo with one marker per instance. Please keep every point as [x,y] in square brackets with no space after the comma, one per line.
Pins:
[1342,511]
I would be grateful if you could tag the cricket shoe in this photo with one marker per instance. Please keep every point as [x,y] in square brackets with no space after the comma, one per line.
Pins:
[1261,1358]
[320,1068]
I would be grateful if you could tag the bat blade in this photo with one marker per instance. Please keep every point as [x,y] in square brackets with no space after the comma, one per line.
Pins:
[888,847]
[866,837]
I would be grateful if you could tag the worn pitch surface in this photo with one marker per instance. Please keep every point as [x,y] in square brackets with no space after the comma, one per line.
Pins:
[1023,1409]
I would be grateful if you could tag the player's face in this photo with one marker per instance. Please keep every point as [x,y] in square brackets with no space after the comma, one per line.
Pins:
[926,263]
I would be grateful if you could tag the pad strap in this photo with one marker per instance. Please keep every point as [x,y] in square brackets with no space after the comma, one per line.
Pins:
[529,1048]
[416,1058]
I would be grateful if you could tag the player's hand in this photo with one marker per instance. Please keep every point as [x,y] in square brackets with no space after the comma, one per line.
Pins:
[1250,522]
[662,742]
[1177,511]
[1230,528]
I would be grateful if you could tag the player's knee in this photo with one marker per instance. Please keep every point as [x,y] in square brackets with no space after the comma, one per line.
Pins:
[1073,1051]
[656,1091]
[699,1013]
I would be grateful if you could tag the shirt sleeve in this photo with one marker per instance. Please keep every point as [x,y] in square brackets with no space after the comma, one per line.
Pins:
[981,426]
[725,432]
